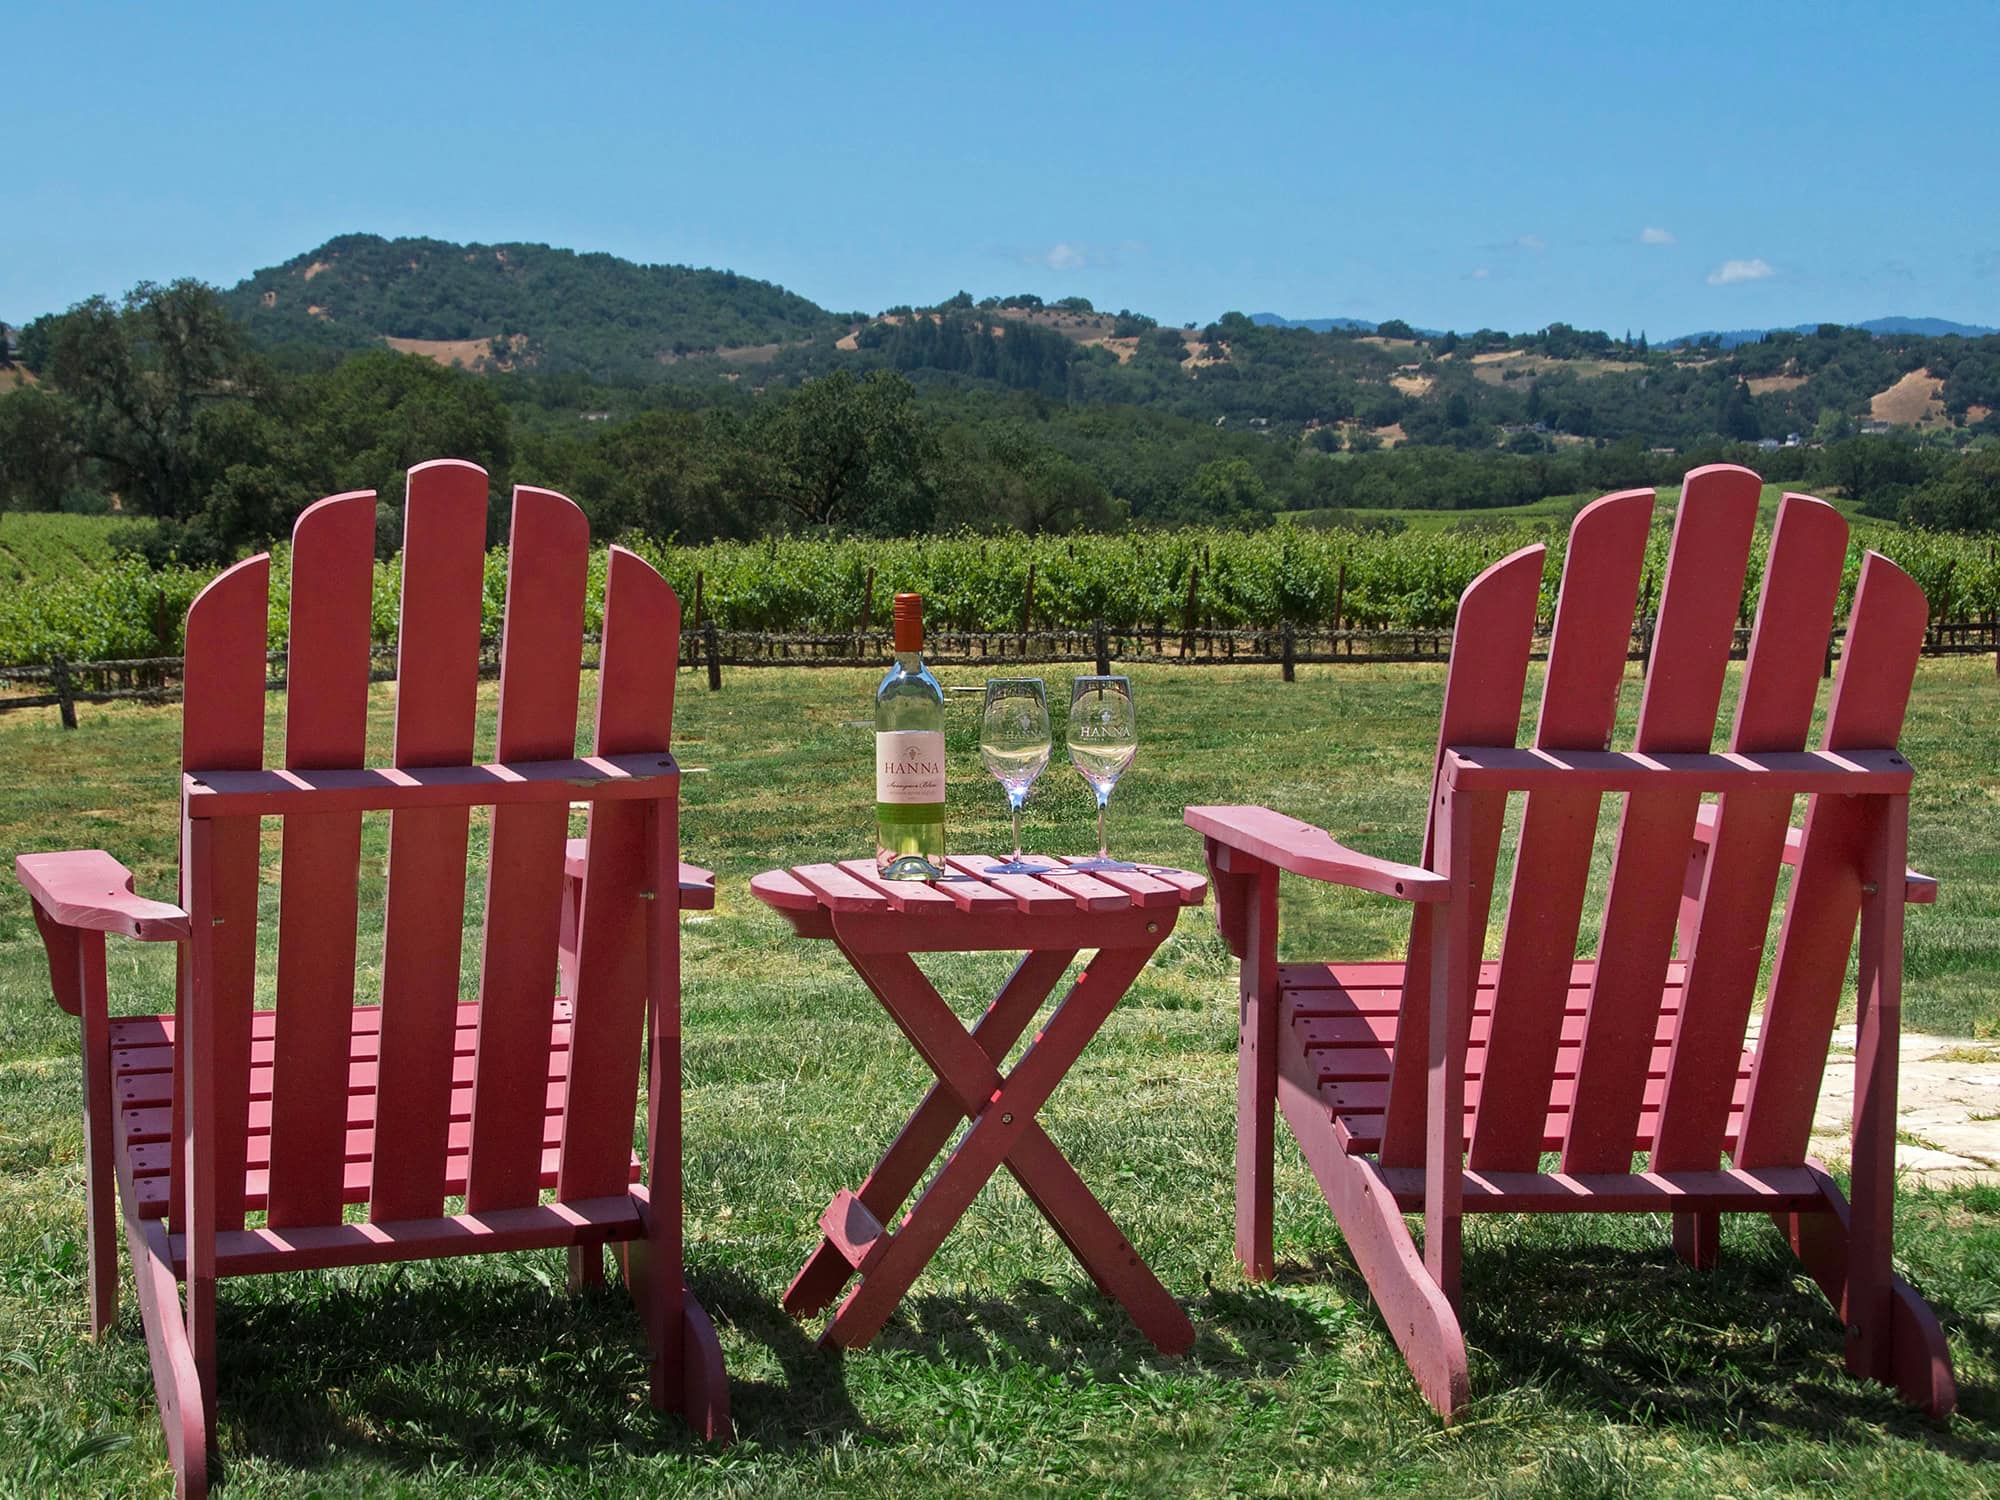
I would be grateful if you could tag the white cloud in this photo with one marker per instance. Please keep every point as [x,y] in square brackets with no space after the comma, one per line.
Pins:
[1732,271]
[1065,257]
[1531,242]
[1478,273]
[1652,235]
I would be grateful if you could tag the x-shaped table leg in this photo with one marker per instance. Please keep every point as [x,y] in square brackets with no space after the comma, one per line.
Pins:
[1003,1130]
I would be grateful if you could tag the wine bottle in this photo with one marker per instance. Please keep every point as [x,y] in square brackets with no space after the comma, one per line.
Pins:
[909,757]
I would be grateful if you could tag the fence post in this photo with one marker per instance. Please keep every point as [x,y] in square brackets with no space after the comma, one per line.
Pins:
[696,621]
[1339,597]
[1826,670]
[1027,608]
[714,648]
[1187,617]
[1291,653]
[65,702]
[1103,650]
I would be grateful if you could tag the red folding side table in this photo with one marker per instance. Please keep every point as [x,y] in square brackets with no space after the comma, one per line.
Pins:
[1124,916]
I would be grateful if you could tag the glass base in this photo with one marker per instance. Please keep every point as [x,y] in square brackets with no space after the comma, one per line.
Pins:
[1021,867]
[1087,865]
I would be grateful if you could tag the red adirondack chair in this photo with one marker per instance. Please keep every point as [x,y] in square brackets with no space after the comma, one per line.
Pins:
[1434,1086]
[237,1136]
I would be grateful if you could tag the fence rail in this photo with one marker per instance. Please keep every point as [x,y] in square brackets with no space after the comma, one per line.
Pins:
[157,679]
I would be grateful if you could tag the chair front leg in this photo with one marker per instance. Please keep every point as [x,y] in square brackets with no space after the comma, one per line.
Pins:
[1879,996]
[1257,1070]
[1454,972]
[100,1170]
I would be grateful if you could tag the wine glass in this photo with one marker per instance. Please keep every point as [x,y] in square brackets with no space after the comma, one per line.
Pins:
[1014,743]
[1103,738]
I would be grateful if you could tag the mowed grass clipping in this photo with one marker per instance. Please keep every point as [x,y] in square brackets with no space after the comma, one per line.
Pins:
[1601,1365]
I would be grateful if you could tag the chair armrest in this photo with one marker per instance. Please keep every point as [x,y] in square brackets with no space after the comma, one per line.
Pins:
[89,891]
[86,890]
[1301,849]
[1918,889]
[697,886]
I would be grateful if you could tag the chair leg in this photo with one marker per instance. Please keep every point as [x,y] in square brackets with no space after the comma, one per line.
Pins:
[1698,1239]
[186,1416]
[100,1172]
[1420,1316]
[1906,1348]
[1257,1078]
[586,1266]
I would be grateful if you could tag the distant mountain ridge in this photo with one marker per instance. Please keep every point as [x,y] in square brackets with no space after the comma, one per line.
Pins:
[1923,327]
[1728,339]
[1317,325]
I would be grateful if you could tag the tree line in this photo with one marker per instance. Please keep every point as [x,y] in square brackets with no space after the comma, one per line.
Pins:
[161,404]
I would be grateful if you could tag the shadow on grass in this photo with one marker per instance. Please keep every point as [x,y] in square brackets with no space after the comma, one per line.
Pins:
[1748,1350]
[489,1370]
[1076,1331]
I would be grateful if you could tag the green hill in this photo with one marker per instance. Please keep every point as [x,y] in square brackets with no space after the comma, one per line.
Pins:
[515,306]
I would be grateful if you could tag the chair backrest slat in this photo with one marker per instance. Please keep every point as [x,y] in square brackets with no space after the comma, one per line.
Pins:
[222,729]
[635,714]
[1871,691]
[540,658]
[1482,706]
[1774,713]
[1698,608]
[1593,631]
[437,671]
[326,725]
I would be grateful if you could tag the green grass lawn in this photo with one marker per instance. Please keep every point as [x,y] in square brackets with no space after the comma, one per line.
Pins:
[1601,1366]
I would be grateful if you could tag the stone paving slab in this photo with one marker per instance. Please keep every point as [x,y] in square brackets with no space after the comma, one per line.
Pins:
[1947,1107]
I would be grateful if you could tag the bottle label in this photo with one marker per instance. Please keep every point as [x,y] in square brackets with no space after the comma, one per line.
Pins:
[909,766]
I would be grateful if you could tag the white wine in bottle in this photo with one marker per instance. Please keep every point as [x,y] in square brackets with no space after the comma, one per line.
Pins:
[909,757]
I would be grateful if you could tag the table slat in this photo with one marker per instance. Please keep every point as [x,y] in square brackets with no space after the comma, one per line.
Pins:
[914,896]
[839,891]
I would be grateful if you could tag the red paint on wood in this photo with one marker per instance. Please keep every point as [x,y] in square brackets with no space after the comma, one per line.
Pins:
[1802,582]
[437,674]
[326,725]
[877,931]
[88,890]
[222,729]
[1349,1040]
[1600,590]
[635,704]
[1698,607]
[540,657]
[1871,690]
[1482,706]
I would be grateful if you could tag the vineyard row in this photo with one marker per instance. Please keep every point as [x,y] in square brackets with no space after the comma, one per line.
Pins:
[1157,585]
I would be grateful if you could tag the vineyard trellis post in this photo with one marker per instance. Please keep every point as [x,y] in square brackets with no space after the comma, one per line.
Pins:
[696,622]
[1103,649]
[713,647]
[65,693]
[1187,618]
[1027,608]
[1291,670]
[868,601]
[1339,598]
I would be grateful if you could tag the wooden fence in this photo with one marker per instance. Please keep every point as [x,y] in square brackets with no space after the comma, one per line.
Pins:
[157,679]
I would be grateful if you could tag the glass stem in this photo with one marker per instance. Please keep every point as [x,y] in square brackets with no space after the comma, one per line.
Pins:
[1014,800]
[1103,849]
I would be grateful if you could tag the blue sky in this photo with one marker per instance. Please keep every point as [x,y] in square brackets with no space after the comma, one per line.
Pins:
[1677,168]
